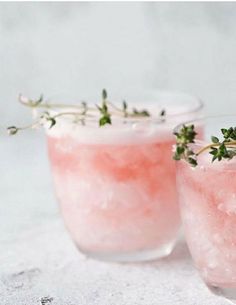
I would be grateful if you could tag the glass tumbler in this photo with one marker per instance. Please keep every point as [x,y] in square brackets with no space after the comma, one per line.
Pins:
[116,184]
[207,197]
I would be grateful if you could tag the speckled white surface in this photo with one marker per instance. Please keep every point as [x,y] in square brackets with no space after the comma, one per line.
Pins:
[40,264]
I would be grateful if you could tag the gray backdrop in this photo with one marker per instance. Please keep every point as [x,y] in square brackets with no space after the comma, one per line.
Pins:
[83,47]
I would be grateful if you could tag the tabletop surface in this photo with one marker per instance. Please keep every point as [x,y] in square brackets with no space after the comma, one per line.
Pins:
[41,265]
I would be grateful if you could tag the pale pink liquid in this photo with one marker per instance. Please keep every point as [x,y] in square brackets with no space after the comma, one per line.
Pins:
[116,198]
[208,207]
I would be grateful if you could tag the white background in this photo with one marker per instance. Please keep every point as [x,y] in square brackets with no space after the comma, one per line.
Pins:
[80,48]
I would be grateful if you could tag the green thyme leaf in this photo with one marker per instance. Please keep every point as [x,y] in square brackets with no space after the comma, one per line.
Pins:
[52,122]
[104,120]
[125,106]
[177,156]
[124,109]
[180,150]
[143,113]
[163,113]
[229,134]
[192,161]
[84,108]
[184,137]
[215,139]
[104,94]
[103,109]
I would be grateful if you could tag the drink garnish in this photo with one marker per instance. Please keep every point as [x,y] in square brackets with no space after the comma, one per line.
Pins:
[219,149]
[79,112]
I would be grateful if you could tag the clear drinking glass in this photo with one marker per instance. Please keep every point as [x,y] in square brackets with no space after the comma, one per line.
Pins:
[207,197]
[116,184]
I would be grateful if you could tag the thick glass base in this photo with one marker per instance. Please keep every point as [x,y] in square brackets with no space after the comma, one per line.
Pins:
[127,257]
[228,293]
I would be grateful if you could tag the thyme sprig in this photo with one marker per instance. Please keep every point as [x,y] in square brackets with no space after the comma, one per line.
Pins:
[184,137]
[219,149]
[78,112]
[103,109]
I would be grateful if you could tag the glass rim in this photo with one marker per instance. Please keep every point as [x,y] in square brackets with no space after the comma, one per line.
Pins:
[195,104]
[204,118]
